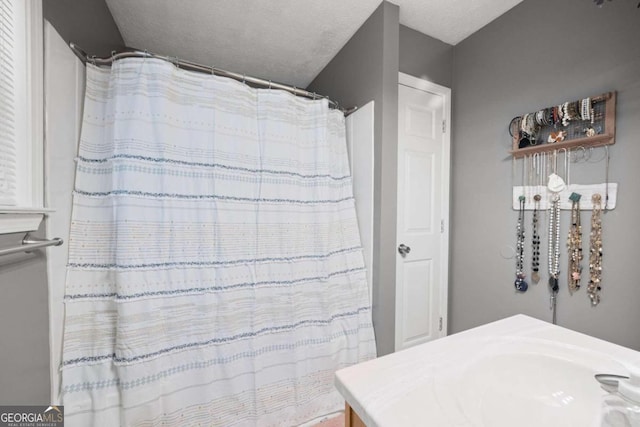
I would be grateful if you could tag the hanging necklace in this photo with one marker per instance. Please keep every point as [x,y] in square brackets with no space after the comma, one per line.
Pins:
[595,251]
[535,242]
[554,242]
[520,284]
[574,244]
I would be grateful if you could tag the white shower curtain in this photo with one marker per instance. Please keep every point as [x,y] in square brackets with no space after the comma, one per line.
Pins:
[215,272]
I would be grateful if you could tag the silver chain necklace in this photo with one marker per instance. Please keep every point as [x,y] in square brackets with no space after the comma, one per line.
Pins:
[554,243]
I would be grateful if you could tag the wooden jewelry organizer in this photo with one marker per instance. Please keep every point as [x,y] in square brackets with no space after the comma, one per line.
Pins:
[604,125]
[547,123]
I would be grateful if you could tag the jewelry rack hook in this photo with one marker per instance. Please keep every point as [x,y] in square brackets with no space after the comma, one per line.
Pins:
[543,169]
[524,173]
[564,165]
[565,155]
[568,165]
[606,194]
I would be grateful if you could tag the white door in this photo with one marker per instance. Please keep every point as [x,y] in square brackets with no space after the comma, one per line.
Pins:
[423,211]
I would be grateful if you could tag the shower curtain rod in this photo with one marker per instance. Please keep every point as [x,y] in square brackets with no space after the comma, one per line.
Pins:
[192,66]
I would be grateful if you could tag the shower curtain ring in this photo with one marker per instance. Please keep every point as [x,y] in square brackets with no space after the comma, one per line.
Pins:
[269,84]
[243,78]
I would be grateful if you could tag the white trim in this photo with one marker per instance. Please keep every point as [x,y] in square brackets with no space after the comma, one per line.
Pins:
[35,100]
[19,222]
[445,92]
[416,83]
[24,210]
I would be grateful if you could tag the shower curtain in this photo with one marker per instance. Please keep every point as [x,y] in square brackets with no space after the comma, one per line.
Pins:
[215,272]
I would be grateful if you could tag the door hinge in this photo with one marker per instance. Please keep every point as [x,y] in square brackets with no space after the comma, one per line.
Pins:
[440,325]
[442,226]
[444,126]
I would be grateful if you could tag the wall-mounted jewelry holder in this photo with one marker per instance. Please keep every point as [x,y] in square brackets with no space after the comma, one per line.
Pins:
[540,138]
[543,136]
[585,191]
[589,122]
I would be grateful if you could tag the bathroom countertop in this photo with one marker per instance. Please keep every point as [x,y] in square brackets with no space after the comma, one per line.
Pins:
[516,371]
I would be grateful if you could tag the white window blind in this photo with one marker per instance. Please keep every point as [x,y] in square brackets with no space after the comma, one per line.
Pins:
[8,158]
[21,116]
[21,106]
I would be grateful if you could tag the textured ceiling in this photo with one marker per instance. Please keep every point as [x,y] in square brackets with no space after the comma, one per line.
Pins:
[288,41]
[451,20]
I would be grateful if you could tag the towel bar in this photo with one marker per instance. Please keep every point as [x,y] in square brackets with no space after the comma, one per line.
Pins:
[30,243]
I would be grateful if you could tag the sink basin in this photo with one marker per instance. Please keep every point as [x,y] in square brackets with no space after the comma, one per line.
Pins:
[515,372]
[527,382]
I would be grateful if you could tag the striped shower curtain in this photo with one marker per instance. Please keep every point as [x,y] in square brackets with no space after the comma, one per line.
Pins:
[215,272]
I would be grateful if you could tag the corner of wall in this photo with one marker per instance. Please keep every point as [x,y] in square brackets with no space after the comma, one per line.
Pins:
[386,178]
[366,69]
[88,23]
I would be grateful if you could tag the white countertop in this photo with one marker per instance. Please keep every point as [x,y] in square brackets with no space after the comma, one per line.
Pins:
[484,376]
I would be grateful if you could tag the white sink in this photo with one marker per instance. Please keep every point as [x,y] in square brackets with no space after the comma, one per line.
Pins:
[516,372]
[526,382]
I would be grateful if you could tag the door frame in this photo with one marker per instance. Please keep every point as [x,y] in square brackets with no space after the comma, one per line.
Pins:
[445,92]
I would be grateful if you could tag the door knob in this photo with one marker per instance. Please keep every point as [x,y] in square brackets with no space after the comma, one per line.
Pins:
[404,249]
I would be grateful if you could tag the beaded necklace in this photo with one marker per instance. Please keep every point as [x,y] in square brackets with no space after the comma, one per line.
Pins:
[554,242]
[595,251]
[535,242]
[520,284]
[574,244]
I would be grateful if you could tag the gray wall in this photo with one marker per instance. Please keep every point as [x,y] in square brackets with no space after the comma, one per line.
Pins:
[425,57]
[87,23]
[24,326]
[367,69]
[541,53]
